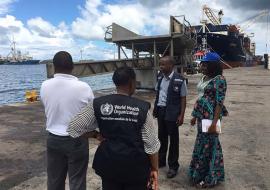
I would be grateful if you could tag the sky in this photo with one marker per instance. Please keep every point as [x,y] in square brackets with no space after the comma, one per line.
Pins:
[43,27]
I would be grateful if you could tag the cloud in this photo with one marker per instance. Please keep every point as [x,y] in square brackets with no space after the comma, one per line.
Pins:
[156,3]
[41,27]
[97,16]
[142,17]
[5,6]
[9,26]
[10,21]
[39,37]
[42,39]
[250,4]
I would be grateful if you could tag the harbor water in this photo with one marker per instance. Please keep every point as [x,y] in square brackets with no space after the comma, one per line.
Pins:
[15,80]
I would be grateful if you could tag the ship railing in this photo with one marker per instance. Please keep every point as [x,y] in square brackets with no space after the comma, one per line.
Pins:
[183,27]
[88,68]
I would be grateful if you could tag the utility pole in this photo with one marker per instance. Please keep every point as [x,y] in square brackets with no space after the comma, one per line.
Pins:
[81,51]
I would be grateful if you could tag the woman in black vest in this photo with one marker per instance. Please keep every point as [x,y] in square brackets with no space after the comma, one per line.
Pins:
[127,158]
[207,167]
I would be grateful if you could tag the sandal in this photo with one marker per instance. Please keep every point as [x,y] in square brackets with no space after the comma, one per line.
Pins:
[203,185]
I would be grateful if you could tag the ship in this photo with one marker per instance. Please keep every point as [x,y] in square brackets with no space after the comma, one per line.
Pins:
[22,62]
[225,40]
[2,60]
[228,40]
[15,57]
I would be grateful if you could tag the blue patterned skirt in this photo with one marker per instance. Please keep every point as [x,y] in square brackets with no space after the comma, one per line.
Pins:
[207,159]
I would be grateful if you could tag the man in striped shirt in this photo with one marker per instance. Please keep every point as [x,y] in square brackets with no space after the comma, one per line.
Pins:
[127,158]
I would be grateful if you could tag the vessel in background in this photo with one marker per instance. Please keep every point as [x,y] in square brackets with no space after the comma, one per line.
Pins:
[15,57]
[229,41]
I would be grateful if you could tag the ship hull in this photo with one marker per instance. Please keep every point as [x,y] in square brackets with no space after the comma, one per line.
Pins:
[226,40]
[230,48]
[27,62]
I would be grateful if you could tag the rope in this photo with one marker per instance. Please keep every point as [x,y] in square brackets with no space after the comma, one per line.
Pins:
[222,60]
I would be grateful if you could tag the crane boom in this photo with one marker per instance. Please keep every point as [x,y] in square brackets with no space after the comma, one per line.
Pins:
[216,20]
[245,25]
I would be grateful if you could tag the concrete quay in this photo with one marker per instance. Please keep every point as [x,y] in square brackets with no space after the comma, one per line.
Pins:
[245,138]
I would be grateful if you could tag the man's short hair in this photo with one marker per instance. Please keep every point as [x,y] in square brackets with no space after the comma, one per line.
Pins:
[169,59]
[62,61]
[123,75]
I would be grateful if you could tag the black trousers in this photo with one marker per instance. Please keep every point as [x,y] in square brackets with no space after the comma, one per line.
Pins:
[168,129]
[67,155]
[113,185]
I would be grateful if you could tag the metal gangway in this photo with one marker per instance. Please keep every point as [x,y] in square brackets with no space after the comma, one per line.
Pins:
[145,52]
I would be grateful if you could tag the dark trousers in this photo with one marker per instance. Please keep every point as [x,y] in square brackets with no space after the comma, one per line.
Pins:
[168,129]
[113,185]
[67,155]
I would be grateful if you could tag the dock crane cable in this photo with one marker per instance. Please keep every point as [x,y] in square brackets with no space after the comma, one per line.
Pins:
[221,59]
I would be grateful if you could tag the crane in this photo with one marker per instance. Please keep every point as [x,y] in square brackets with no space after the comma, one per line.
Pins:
[211,14]
[246,24]
[215,20]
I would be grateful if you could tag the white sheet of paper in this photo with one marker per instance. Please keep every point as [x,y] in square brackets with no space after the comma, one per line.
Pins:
[206,123]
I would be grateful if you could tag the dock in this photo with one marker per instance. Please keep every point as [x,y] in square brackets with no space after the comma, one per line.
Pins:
[245,139]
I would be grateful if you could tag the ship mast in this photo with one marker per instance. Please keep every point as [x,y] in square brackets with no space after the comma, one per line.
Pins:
[13,50]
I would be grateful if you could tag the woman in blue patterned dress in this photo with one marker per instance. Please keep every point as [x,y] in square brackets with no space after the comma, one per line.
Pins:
[207,167]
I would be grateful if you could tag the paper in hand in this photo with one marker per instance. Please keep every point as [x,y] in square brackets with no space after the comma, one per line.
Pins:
[206,123]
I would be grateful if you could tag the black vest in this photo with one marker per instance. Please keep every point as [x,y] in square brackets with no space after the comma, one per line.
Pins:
[121,156]
[173,102]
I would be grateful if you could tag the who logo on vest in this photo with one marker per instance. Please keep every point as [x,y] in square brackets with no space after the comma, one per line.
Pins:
[106,109]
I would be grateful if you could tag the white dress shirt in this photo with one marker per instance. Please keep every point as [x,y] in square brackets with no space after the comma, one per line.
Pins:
[63,97]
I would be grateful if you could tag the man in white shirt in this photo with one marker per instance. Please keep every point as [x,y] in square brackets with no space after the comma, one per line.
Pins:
[63,97]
